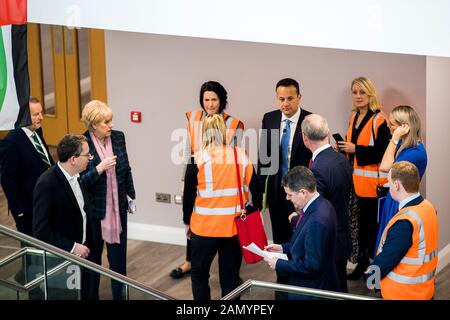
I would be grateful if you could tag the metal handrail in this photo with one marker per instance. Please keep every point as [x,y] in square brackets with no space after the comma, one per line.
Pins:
[293,289]
[83,263]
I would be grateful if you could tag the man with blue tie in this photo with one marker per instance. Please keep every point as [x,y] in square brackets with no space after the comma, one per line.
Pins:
[282,125]
[311,249]
[24,156]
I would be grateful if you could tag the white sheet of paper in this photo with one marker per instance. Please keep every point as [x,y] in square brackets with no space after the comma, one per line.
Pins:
[266,254]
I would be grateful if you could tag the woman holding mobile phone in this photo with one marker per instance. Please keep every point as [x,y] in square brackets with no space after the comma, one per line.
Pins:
[366,140]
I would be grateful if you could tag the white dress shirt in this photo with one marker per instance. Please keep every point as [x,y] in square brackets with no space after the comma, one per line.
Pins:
[402,203]
[73,181]
[316,195]
[293,125]
[319,150]
[29,134]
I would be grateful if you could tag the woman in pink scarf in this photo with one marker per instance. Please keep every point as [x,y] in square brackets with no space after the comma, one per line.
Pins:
[109,185]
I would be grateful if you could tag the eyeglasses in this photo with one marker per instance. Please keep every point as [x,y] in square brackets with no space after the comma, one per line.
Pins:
[88,155]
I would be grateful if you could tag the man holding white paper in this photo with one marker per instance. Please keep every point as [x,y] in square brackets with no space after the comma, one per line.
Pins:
[311,249]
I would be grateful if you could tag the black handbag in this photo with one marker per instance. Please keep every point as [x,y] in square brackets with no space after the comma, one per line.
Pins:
[382,191]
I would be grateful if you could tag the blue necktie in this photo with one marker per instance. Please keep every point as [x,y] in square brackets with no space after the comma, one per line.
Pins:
[284,145]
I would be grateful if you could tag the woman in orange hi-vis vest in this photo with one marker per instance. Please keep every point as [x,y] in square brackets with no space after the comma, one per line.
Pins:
[210,205]
[213,100]
[367,139]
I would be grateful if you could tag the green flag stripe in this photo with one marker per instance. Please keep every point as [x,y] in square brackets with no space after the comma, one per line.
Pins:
[3,70]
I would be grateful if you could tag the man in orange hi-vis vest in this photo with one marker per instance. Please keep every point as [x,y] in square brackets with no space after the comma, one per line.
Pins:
[407,254]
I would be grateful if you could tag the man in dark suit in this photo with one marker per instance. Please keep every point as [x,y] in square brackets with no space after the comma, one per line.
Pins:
[311,249]
[61,209]
[279,152]
[24,156]
[60,204]
[334,179]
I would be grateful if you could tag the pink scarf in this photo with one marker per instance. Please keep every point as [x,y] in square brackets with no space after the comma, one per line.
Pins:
[111,227]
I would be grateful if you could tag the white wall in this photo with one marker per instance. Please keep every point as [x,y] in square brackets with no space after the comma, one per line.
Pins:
[400,26]
[438,131]
[161,76]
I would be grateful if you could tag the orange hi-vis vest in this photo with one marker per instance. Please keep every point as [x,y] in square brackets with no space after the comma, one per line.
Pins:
[195,121]
[413,277]
[367,178]
[217,201]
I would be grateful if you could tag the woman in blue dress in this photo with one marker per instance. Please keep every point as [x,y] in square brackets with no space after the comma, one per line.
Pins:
[406,145]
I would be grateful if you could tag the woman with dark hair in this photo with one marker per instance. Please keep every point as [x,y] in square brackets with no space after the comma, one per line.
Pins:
[213,100]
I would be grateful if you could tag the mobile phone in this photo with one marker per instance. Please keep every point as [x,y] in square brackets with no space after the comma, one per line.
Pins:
[338,137]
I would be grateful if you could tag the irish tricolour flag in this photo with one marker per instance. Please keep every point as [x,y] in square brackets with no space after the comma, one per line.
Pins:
[14,80]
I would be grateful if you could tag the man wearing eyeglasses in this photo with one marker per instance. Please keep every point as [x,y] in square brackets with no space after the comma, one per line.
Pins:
[60,205]
[60,214]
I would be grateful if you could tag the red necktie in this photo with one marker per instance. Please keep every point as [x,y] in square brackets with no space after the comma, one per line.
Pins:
[310,163]
[300,215]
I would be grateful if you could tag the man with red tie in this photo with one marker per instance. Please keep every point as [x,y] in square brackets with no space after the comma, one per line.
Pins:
[311,249]
[334,179]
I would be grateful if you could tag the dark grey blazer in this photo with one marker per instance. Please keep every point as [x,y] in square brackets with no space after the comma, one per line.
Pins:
[96,184]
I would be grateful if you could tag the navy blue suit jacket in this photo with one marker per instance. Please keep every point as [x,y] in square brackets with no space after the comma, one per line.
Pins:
[334,179]
[95,184]
[20,167]
[57,217]
[311,249]
[300,155]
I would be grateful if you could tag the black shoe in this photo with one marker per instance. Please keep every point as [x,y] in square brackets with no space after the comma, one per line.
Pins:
[178,273]
[358,272]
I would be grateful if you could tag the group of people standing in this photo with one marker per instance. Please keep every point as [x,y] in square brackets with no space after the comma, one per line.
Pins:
[80,202]
[307,191]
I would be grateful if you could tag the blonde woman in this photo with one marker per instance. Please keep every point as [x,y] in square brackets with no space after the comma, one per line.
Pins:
[366,141]
[109,185]
[210,204]
[406,145]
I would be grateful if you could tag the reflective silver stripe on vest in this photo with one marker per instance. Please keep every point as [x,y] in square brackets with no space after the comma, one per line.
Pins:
[228,121]
[411,280]
[374,127]
[368,173]
[220,193]
[217,211]
[208,170]
[422,257]
[191,126]
[209,192]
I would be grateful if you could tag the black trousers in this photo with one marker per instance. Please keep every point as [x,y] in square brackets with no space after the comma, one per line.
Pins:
[24,224]
[117,258]
[280,209]
[341,268]
[368,227]
[188,250]
[204,250]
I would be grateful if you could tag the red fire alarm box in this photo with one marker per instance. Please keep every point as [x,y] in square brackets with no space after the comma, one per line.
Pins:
[135,116]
